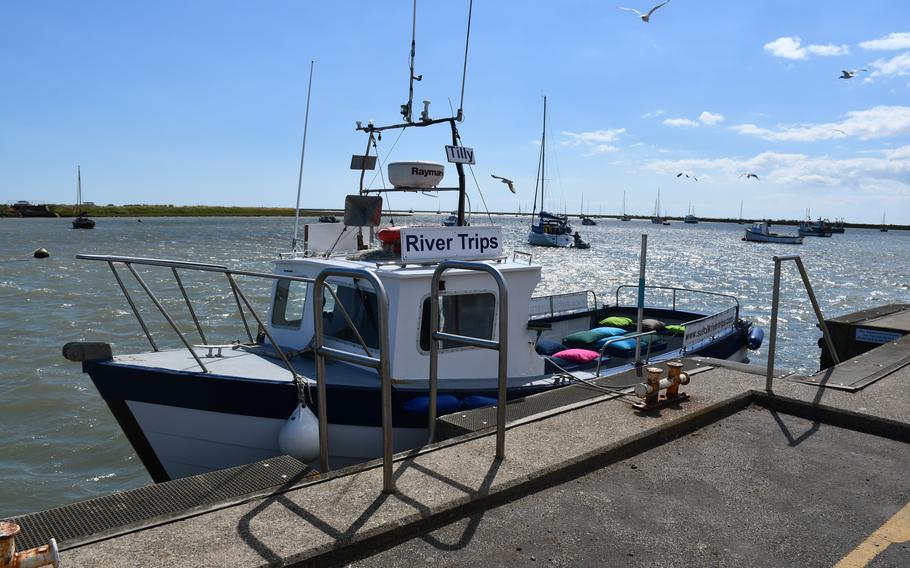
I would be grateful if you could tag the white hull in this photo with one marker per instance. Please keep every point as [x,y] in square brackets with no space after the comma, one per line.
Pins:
[548,240]
[780,239]
[190,442]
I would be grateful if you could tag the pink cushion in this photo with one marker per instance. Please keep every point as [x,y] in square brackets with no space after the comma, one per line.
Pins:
[577,355]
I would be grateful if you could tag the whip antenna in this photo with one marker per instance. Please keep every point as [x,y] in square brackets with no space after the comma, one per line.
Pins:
[306,120]
[464,71]
[406,109]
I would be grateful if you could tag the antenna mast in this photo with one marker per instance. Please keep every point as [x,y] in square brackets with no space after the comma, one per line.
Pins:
[306,121]
[406,110]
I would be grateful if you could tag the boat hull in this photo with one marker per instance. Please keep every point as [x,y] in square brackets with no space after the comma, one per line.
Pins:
[754,237]
[184,423]
[549,240]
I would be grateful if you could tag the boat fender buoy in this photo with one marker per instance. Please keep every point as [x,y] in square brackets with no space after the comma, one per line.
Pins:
[299,437]
[756,336]
[41,253]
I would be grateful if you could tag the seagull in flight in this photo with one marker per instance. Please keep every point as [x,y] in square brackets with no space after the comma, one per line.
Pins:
[747,176]
[845,74]
[508,182]
[644,17]
[687,175]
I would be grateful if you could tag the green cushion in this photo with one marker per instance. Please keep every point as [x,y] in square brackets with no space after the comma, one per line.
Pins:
[676,329]
[617,321]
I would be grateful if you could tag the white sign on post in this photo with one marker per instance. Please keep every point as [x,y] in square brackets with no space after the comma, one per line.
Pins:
[705,328]
[460,155]
[433,244]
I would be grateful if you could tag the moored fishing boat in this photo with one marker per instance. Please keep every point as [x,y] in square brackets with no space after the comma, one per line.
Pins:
[759,233]
[81,221]
[350,326]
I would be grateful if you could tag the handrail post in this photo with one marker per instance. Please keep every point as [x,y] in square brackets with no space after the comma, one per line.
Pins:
[501,345]
[167,316]
[818,311]
[189,306]
[246,325]
[129,300]
[772,343]
[382,365]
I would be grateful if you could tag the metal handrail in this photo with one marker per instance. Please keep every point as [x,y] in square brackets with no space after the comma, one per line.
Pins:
[129,261]
[501,345]
[775,302]
[550,297]
[381,364]
[678,289]
[619,338]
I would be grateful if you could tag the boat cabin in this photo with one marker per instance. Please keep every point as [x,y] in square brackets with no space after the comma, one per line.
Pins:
[469,307]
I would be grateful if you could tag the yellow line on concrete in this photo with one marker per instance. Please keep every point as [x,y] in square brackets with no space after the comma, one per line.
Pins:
[895,531]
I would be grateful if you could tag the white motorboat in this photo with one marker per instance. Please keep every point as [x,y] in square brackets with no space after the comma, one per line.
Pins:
[340,363]
[759,232]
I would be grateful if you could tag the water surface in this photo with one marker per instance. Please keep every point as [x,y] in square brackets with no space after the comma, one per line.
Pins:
[61,443]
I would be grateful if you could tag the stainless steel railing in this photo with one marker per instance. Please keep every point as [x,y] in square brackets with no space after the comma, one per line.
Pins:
[501,345]
[381,364]
[587,300]
[239,297]
[618,338]
[775,303]
[676,289]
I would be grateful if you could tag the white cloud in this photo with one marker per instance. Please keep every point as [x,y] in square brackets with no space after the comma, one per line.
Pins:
[886,169]
[876,122]
[828,50]
[653,114]
[595,136]
[602,149]
[899,65]
[679,122]
[710,118]
[706,118]
[897,40]
[792,48]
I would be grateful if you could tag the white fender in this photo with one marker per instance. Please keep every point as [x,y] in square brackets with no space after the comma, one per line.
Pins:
[299,437]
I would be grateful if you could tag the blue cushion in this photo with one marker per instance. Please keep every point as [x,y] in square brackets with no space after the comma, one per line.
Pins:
[420,405]
[547,347]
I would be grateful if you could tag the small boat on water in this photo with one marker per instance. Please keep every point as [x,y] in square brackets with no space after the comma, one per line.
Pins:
[624,216]
[353,332]
[837,227]
[451,220]
[819,228]
[690,217]
[656,217]
[884,227]
[759,233]
[81,221]
[547,229]
[585,220]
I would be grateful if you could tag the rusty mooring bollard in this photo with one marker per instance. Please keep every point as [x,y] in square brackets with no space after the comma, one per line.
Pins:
[45,555]
[653,385]
[675,374]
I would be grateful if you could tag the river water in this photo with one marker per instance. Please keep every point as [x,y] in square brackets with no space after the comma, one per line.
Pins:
[61,444]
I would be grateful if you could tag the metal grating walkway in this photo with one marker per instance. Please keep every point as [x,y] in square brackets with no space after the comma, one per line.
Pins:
[123,512]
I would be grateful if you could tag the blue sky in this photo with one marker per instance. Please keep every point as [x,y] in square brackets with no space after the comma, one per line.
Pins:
[203,102]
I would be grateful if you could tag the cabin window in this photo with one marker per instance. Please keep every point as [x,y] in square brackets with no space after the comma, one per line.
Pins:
[290,299]
[471,315]
[360,306]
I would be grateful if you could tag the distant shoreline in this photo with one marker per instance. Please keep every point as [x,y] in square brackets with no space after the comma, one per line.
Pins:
[141,210]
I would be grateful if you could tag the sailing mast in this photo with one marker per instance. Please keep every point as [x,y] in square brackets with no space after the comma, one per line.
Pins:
[78,190]
[538,183]
[306,121]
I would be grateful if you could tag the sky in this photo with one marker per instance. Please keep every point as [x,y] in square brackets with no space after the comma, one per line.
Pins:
[203,102]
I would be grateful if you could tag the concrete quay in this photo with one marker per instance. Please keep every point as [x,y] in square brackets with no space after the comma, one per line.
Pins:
[801,475]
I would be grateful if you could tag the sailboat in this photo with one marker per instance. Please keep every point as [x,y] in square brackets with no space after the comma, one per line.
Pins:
[883,228]
[585,220]
[81,221]
[656,218]
[624,217]
[547,229]
[690,218]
